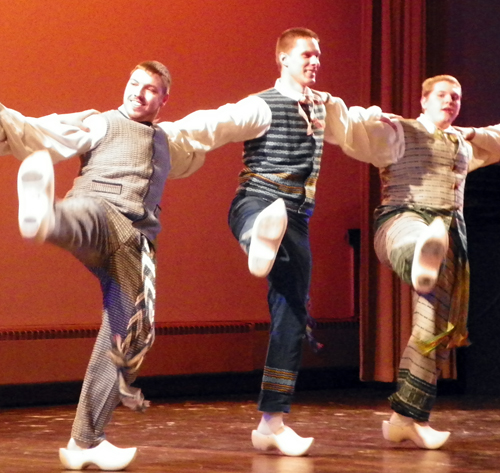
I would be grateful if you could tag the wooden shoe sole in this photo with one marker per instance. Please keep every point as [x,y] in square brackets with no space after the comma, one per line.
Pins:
[35,186]
[287,442]
[422,437]
[267,233]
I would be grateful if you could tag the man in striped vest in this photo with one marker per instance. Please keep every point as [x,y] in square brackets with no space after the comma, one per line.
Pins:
[283,130]
[270,218]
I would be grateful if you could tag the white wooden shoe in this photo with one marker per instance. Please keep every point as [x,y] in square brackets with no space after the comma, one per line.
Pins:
[423,436]
[105,456]
[35,188]
[267,233]
[430,251]
[287,442]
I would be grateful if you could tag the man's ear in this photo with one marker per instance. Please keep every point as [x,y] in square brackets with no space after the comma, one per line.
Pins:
[283,59]
[165,99]
[423,102]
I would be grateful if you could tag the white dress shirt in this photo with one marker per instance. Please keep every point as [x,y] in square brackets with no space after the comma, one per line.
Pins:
[20,136]
[206,130]
[363,134]
[380,139]
[191,137]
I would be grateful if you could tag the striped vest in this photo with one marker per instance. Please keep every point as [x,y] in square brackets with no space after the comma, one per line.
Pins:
[285,161]
[128,169]
[430,174]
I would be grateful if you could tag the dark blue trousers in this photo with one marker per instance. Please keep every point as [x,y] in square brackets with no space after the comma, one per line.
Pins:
[288,294]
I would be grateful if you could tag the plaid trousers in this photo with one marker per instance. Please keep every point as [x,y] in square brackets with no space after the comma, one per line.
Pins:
[105,241]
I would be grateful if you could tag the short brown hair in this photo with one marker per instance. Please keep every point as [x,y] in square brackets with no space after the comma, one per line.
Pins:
[155,67]
[428,84]
[287,39]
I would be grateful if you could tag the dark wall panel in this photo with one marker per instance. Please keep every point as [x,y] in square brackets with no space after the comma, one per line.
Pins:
[464,42]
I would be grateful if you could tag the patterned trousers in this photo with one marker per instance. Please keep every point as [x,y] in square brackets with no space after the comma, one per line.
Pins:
[110,247]
[395,243]
[289,282]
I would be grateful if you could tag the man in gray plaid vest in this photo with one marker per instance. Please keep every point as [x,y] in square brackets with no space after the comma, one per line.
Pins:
[109,220]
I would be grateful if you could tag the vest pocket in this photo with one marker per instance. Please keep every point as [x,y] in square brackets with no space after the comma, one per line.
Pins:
[106,187]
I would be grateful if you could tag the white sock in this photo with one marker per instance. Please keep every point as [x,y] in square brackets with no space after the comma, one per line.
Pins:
[398,419]
[77,445]
[270,423]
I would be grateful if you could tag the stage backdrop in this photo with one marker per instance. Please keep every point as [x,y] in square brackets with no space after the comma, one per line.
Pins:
[69,56]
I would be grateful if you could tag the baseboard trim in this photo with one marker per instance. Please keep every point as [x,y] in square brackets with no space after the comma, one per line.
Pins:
[168,387]
[60,354]
[162,329]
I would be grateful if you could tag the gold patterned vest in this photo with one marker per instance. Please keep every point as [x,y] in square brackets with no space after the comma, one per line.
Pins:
[430,174]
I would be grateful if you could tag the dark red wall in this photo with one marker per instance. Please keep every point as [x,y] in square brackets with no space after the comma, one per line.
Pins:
[67,56]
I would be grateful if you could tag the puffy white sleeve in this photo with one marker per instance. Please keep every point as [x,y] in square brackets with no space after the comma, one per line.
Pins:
[485,147]
[183,162]
[365,134]
[21,136]
[205,130]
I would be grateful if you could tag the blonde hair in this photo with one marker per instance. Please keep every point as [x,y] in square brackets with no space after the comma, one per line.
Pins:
[428,84]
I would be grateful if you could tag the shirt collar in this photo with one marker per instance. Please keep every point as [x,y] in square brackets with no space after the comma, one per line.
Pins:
[122,110]
[431,128]
[291,93]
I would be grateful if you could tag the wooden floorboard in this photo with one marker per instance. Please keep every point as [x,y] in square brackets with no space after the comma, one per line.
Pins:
[213,435]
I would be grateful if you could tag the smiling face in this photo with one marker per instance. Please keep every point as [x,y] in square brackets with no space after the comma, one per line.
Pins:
[442,104]
[300,65]
[144,96]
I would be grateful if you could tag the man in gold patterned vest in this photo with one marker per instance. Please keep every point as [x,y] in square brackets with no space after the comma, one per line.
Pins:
[420,234]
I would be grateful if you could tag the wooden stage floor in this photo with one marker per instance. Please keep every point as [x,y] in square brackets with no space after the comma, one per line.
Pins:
[213,435]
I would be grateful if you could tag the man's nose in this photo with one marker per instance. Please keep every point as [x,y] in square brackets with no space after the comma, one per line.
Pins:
[315,60]
[138,92]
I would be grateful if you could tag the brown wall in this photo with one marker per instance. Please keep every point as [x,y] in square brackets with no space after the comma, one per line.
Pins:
[61,58]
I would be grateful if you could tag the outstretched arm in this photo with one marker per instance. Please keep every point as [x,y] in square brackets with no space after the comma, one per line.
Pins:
[367,135]
[205,130]
[485,145]
[21,136]
[76,119]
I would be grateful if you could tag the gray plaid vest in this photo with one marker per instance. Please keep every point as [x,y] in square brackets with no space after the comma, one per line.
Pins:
[128,168]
